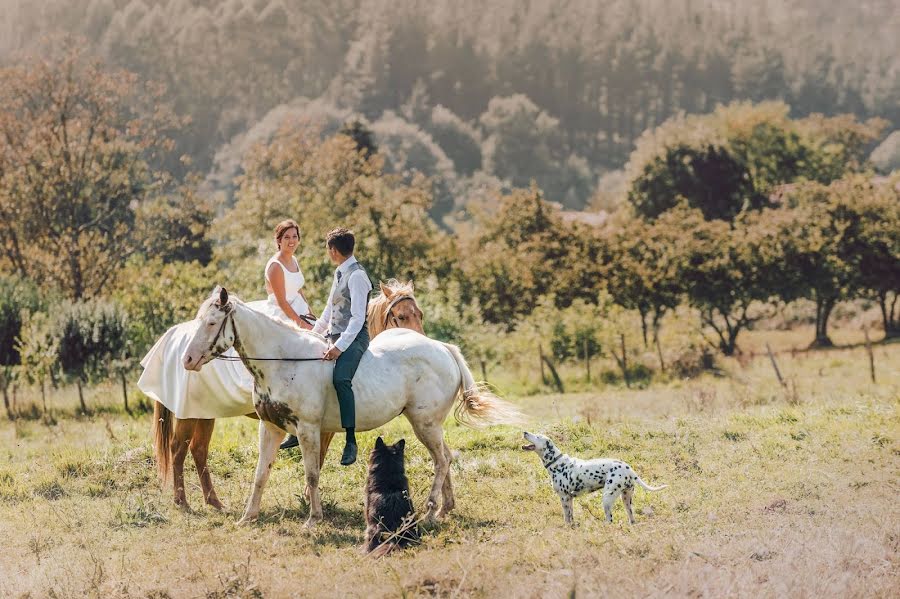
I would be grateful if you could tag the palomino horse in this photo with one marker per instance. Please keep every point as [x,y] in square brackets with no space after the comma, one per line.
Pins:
[173,437]
[402,372]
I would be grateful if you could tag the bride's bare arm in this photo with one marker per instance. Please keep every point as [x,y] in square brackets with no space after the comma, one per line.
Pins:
[276,279]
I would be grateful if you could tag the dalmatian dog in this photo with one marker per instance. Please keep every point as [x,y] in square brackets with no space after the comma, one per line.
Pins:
[573,477]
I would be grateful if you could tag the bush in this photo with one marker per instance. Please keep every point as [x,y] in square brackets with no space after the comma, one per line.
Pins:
[82,341]
[17,299]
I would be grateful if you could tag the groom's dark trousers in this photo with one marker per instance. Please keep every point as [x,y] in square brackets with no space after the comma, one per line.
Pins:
[344,369]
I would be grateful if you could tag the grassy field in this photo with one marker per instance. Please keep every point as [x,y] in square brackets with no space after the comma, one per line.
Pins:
[771,493]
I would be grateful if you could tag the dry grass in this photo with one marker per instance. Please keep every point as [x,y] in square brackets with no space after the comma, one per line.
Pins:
[769,496]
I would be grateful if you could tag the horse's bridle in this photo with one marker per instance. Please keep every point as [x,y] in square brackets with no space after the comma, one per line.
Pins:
[389,314]
[229,315]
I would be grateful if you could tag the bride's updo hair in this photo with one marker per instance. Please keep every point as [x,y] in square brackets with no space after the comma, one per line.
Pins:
[282,228]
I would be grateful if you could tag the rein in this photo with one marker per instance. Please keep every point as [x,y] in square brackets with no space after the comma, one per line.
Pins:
[224,358]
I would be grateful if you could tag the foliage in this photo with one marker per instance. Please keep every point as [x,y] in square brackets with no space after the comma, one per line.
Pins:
[410,152]
[840,239]
[644,267]
[459,140]
[88,335]
[157,295]
[727,270]
[78,144]
[524,144]
[736,157]
[322,184]
[176,226]
[18,298]
[524,251]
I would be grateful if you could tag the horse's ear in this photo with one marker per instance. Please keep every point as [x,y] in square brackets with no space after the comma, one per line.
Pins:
[379,443]
[223,296]
[385,291]
[399,445]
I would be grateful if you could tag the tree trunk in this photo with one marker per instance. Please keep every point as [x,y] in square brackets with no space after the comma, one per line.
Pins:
[9,413]
[84,409]
[644,328]
[124,391]
[889,316]
[43,396]
[556,380]
[824,306]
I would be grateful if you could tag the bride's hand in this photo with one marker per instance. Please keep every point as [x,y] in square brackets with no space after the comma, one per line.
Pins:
[303,324]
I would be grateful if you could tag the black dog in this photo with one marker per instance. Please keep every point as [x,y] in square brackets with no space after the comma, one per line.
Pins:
[390,516]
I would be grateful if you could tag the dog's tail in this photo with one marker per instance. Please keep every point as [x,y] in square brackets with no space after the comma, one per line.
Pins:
[478,406]
[648,487]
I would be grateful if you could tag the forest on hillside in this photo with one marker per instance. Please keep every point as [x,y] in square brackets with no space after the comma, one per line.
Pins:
[476,94]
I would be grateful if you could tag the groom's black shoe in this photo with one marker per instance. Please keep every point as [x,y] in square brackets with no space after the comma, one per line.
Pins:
[291,441]
[349,453]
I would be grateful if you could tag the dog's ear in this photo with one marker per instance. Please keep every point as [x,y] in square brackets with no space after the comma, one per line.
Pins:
[379,443]
[399,445]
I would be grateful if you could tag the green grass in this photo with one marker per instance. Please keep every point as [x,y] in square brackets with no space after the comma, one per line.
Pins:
[770,494]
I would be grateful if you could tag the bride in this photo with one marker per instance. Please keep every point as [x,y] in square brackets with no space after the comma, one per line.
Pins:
[284,280]
[225,389]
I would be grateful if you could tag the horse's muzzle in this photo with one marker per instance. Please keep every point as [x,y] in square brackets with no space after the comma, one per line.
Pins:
[191,362]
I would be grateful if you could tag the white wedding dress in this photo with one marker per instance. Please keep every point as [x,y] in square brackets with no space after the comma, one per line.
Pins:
[221,388]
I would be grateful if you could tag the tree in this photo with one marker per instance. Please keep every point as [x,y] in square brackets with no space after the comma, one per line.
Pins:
[878,249]
[18,299]
[524,143]
[710,178]
[728,270]
[736,157]
[644,267]
[362,135]
[522,252]
[88,337]
[77,144]
[835,239]
[321,184]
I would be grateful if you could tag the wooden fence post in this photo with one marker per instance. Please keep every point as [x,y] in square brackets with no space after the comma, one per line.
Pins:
[871,354]
[587,360]
[775,366]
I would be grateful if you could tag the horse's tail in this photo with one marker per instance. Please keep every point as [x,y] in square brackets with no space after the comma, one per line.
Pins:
[163,431]
[478,406]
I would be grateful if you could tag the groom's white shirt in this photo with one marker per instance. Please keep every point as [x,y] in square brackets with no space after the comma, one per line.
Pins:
[359,286]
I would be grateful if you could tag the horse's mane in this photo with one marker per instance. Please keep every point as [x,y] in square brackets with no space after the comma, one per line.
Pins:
[379,305]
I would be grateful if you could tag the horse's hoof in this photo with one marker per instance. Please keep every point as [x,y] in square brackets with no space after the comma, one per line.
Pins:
[216,504]
[246,520]
[311,523]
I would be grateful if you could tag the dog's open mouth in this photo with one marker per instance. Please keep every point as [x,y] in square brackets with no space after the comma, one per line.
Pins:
[529,447]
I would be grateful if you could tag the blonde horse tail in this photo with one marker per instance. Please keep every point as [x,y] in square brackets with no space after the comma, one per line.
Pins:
[163,432]
[478,406]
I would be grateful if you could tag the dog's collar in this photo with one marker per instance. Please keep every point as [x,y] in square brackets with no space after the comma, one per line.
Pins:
[553,461]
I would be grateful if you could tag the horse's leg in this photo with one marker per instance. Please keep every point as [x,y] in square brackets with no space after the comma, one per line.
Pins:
[309,439]
[200,450]
[323,444]
[184,430]
[448,502]
[432,437]
[269,438]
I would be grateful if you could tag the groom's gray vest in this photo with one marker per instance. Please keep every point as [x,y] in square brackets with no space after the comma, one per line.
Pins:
[340,308]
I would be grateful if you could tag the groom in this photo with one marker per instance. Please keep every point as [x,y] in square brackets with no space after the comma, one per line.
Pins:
[344,324]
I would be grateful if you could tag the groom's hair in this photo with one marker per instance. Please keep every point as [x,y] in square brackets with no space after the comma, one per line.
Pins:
[342,240]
